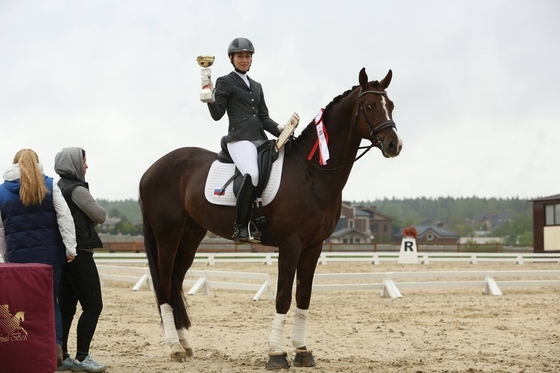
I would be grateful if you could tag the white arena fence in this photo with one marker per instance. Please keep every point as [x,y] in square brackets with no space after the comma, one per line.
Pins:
[386,282]
[389,287]
[326,257]
[371,257]
[195,279]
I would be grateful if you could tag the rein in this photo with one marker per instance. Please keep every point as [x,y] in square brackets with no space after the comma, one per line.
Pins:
[367,149]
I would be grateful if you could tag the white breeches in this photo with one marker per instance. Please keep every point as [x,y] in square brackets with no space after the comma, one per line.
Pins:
[244,155]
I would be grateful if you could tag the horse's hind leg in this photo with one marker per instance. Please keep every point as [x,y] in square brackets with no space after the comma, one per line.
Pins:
[192,236]
[169,297]
[176,249]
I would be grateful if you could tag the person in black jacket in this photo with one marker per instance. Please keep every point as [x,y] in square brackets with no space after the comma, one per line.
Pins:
[80,279]
[243,100]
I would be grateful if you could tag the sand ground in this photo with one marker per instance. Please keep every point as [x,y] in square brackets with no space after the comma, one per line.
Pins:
[454,330]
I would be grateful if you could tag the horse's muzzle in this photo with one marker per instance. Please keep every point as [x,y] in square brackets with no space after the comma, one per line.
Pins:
[392,146]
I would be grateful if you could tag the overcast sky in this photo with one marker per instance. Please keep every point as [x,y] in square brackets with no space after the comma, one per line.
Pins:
[476,85]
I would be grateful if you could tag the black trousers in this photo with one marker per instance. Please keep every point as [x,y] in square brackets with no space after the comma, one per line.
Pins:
[80,283]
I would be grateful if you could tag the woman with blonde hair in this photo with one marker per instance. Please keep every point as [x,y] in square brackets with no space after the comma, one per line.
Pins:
[36,225]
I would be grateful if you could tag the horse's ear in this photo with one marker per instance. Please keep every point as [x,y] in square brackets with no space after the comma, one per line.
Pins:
[384,83]
[363,79]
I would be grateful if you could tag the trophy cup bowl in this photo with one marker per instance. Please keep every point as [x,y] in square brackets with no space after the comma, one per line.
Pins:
[205,60]
[207,93]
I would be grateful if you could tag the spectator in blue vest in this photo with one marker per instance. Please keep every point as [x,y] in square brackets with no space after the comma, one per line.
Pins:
[36,225]
[80,279]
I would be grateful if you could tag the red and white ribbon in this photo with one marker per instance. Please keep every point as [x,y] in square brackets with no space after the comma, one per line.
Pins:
[322,140]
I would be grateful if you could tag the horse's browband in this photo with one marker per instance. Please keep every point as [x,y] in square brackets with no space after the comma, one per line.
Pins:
[376,92]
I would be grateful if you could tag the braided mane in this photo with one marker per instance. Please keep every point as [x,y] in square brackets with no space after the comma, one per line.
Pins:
[329,107]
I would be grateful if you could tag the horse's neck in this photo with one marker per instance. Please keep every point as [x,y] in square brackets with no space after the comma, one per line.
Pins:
[343,144]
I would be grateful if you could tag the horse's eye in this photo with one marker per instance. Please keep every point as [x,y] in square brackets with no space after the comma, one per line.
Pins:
[369,107]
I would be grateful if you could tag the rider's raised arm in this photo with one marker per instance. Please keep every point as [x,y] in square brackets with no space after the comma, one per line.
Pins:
[222,91]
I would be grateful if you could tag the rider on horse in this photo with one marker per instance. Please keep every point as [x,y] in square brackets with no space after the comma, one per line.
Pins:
[243,99]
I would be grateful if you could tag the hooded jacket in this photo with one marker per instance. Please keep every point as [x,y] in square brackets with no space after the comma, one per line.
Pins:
[42,233]
[87,213]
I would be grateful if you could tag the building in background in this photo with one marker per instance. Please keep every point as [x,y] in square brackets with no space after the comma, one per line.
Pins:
[366,221]
[546,224]
[435,235]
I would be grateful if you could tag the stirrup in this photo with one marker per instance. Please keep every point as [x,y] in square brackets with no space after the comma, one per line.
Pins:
[255,237]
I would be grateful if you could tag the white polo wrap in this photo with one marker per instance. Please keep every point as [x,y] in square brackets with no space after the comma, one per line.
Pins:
[300,326]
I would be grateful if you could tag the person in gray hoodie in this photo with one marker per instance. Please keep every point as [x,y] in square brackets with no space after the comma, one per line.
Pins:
[80,279]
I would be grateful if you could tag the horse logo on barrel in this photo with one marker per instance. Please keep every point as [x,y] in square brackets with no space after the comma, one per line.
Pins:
[10,325]
[303,213]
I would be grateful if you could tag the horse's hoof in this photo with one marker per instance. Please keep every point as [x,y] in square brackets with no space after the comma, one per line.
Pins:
[304,359]
[188,349]
[178,352]
[278,362]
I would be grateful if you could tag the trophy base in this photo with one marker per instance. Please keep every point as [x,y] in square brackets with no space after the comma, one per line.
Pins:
[207,96]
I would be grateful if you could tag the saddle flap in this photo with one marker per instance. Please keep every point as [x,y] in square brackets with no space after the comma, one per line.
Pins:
[220,173]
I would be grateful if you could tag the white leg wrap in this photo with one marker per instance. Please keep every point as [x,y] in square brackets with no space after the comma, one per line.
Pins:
[275,342]
[169,330]
[300,326]
[182,333]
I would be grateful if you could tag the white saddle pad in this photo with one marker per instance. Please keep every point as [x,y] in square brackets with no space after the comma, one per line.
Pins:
[220,173]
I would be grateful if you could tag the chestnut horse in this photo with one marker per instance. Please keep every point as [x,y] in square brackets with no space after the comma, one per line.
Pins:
[300,218]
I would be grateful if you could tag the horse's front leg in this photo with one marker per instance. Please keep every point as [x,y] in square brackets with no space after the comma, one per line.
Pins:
[305,272]
[306,263]
[277,357]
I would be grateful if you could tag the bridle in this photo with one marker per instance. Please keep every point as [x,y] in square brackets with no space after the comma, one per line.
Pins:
[373,131]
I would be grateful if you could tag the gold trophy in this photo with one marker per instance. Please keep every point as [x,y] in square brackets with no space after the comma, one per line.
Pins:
[207,94]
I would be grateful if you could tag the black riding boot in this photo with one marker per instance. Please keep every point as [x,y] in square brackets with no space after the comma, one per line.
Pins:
[243,210]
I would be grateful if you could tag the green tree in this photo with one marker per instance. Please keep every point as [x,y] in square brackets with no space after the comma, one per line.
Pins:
[461,226]
[517,231]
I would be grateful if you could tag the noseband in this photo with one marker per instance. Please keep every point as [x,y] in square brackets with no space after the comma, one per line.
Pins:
[373,131]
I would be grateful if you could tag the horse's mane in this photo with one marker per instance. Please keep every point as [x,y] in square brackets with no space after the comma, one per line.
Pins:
[333,103]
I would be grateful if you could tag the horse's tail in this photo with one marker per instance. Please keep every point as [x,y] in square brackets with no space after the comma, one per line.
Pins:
[150,245]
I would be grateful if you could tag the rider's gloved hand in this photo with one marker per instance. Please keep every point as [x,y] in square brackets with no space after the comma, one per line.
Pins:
[281,127]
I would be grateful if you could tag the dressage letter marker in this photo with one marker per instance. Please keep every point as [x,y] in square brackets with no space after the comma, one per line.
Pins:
[408,253]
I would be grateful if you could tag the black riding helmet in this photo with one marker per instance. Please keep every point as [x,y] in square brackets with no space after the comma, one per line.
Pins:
[240,45]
